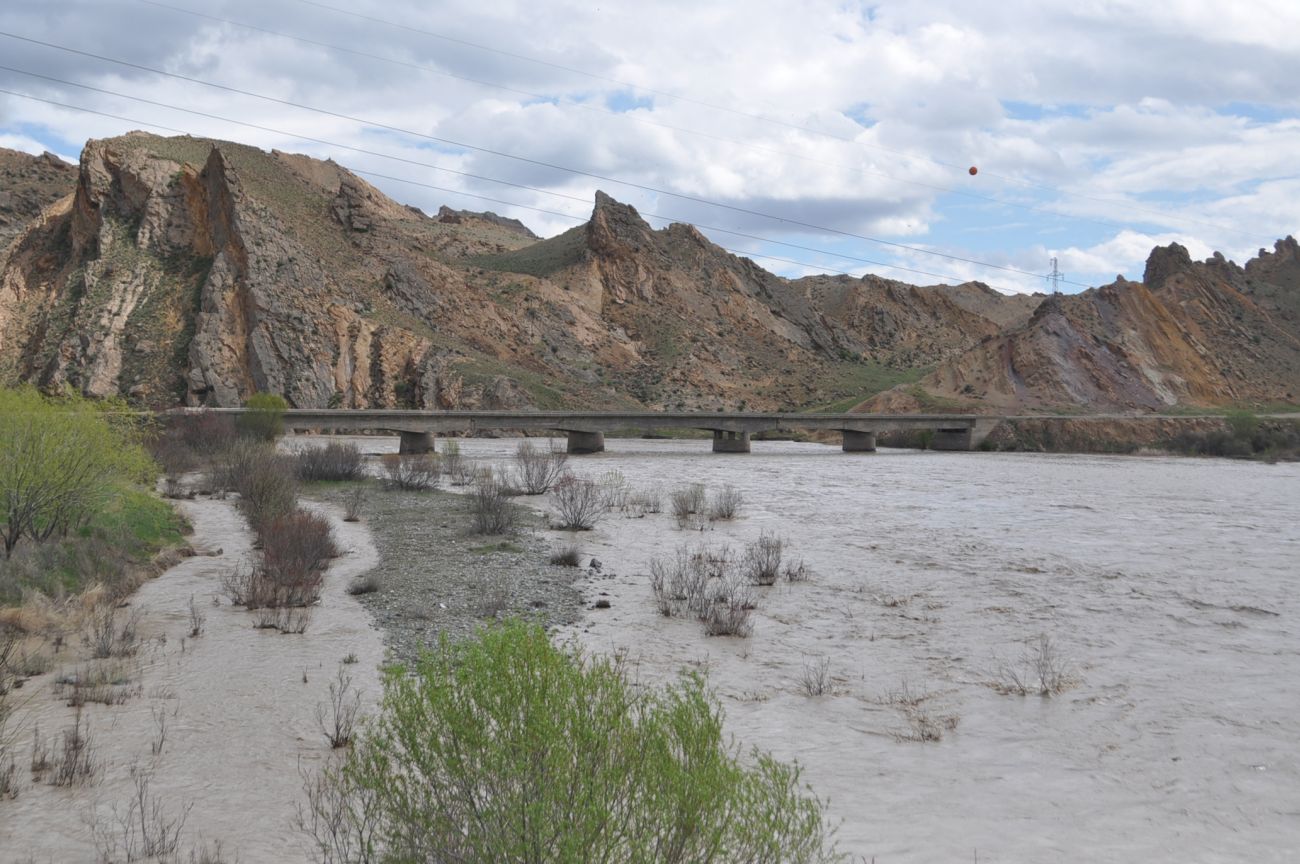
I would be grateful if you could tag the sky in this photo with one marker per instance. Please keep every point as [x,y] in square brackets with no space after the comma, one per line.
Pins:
[811,135]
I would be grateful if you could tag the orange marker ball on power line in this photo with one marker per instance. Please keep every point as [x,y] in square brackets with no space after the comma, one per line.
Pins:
[974,170]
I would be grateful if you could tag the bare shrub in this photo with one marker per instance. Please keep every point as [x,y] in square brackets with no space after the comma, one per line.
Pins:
[160,730]
[101,683]
[577,502]
[493,513]
[494,601]
[209,854]
[286,619]
[109,636]
[796,571]
[459,470]
[815,680]
[8,773]
[144,830]
[538,469]
[353,501]
[731,603]
[725,504]
[1042,671]
[40,761]
[687,501]
[295,552]
[265,480]
[648,500]
[412,472]
[340,818]
[925,724]
[761,563]
[567,556]
[683,584]
[614,491]
[207,434]
[338,718]
[335,461]
[197,619]
[75,762]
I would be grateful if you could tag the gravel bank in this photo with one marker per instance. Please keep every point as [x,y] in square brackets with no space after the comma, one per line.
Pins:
[435,576]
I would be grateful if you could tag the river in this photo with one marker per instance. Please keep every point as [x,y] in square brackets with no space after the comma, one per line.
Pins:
[1167,587]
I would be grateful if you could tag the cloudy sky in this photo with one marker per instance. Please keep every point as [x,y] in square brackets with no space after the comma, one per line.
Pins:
[822,135]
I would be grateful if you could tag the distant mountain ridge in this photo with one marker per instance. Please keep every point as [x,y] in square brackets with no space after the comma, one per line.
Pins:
[188,271]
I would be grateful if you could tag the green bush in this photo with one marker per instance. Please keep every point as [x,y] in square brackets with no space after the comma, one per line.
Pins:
[264,418]
[508,749]
[61,460]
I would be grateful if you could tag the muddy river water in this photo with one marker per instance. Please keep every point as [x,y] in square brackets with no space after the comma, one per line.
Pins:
[1165,586]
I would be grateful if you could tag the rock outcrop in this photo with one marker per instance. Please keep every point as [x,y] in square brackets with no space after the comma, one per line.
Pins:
[188,271]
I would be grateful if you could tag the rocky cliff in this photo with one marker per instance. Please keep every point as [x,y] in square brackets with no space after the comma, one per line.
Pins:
[1207,333]
[188,271]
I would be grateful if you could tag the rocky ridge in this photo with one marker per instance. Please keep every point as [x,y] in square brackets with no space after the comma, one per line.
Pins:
[189,271]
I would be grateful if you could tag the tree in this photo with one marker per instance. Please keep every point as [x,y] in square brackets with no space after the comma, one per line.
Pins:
[264,418]
[507,749]
[61,459]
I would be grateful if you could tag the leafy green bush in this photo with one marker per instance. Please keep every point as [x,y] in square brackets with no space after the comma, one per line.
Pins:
[62,460]
[508,749]
[264,418]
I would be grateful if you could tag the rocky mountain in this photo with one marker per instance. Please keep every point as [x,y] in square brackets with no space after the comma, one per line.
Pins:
[28,184]
[190,271]
[1191,333]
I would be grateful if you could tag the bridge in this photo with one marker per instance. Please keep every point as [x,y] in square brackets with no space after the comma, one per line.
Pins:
[586,429]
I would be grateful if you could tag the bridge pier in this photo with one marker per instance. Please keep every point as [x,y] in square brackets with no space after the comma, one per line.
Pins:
[951,439]
[416,442]
[730,442]
[585,442]
[859,442]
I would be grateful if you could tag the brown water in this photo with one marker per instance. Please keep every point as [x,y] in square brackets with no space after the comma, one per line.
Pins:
[240,720]
[1168,584]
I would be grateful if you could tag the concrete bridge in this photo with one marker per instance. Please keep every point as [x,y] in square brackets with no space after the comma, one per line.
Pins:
[586,429]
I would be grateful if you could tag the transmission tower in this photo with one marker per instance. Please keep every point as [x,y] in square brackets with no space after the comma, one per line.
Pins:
[1054,278]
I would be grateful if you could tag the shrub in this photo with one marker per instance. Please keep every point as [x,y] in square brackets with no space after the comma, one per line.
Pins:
[650,500]
[353,501]
[61,461]
[578,503]
[1042,671]
[507,748]
[538,469]
[334,461]
[493,513]
[411,472]
[726,504]
[264,419]
[687,501]
[338,719]
[296,548]
[265,480]
[762,560]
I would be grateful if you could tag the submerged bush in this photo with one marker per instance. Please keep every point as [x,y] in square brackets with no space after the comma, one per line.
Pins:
[507,748]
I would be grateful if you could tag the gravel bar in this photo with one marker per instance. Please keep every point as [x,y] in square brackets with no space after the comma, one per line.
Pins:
[436,576]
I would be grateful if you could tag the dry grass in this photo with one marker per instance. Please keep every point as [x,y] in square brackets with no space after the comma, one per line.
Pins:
[567,556]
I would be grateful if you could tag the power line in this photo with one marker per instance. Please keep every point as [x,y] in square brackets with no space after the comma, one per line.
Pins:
[527,160]
[757,117]
[435,167]
[627,117]
[744,253]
